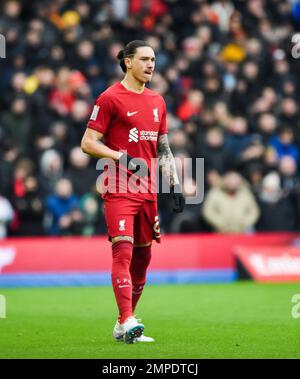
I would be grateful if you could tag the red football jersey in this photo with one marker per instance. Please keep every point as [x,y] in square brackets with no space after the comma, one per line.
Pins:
[131,122]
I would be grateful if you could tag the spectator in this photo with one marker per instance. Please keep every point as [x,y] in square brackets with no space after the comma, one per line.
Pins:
[284,145]
[217,156]
[79,168]
[231,207]
[29,209]
[93,215]
[238,136]
[277,212]
[61,138]
[289,112]
[16,124]
[191,106]
[60,207]
[288,172]
[252,154]
[51,168]
[266,126]
[72,224]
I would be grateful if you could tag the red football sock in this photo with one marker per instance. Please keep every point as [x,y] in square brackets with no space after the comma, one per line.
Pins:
[121,278]
[141,258]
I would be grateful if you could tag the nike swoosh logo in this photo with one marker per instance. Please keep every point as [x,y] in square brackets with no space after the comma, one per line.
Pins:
[124,286]
[131,113]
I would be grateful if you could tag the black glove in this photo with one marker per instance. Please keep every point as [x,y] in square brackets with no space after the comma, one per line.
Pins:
[134,164]
[178,198]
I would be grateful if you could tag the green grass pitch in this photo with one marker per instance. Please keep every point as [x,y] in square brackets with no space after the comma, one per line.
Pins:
[238,320]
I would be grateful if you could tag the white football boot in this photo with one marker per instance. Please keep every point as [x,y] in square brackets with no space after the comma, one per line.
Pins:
[132,329]
[119,333]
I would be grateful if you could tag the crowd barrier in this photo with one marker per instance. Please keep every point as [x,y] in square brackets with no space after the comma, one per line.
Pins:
[72,261]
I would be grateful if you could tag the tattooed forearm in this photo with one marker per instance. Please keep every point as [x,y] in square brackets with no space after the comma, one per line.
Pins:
[166,160]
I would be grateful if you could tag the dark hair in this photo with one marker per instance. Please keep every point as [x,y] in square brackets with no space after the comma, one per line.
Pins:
[129,51]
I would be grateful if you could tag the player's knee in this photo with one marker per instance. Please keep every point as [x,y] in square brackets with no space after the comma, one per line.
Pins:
[122,238]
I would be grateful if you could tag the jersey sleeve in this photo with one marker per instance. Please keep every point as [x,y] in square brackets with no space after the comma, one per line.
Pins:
[102,114]
[163,129]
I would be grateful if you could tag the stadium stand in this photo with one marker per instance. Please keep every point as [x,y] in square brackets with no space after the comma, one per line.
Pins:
[231,86]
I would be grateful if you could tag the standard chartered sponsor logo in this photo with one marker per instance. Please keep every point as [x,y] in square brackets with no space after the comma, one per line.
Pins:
[133,135]
[148,135]
[143,135]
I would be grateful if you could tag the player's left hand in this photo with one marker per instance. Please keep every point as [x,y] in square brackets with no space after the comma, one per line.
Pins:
[178,198]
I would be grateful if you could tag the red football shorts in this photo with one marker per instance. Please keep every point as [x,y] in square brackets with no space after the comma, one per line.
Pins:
[136,218]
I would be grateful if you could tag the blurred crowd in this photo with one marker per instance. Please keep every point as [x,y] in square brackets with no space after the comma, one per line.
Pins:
[232,90]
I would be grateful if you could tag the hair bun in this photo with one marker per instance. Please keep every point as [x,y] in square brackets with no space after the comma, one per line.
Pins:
[120,55]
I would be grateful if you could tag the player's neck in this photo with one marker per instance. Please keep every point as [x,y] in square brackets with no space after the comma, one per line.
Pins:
[132,84]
